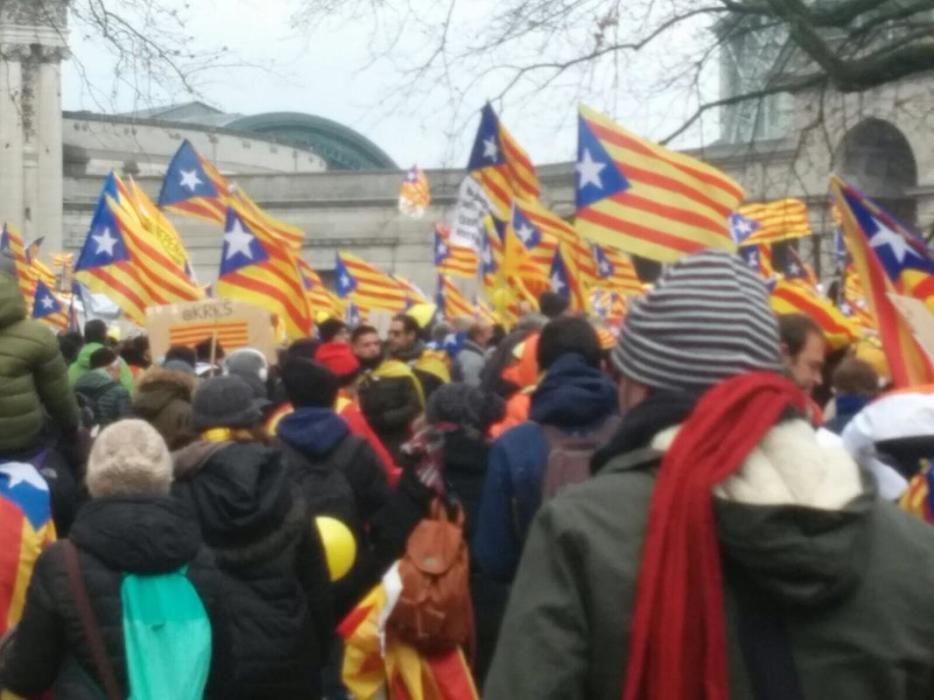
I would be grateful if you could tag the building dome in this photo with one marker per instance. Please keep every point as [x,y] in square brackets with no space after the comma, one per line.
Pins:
[341,147]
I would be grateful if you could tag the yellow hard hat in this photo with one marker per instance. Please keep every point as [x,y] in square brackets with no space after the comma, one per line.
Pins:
[422,314]
[340,547]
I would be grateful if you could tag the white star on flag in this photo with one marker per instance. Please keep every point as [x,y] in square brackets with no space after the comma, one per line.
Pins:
[894,241]
[190,180]
[490,149]
[589,171]
[442,250]
[605,268]
[345,281]
[23,473]
[238,241]
[47,303]
[105,243]
[557,284]
[487,256]
[526,233]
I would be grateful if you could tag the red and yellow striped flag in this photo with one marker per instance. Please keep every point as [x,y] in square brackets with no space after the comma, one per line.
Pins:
[500,165]
[323,302]
[790,296]
[770,222]
[11,245]
[645,199]
[451,301]
[453,259]
[366,286]
[615,271]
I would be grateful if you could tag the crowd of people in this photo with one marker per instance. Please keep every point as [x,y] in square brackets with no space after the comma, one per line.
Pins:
[674,511]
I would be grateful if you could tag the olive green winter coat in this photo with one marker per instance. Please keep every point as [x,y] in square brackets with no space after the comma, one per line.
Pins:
[853,585]
[33,375]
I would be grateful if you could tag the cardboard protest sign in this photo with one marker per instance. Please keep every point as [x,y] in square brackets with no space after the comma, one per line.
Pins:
[919,319]
[234,324]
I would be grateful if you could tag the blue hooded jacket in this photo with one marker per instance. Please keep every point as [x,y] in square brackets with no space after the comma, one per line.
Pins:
[312,431]
[573,397]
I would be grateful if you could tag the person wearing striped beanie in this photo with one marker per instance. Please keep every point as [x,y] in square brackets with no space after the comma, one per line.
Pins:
[720,551]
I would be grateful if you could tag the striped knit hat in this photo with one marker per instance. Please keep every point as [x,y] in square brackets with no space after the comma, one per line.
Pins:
[707,319]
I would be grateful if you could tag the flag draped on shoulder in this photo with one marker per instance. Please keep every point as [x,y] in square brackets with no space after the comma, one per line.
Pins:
[645,199]
[451,301]
[27,526]
[262,272]
[499,164]
[414,193]
[47,307]
[770,222]
[881,255]
[366,286]
[193,186]
[453,259]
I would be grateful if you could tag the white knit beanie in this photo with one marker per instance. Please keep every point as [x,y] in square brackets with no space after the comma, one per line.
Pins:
[129,458]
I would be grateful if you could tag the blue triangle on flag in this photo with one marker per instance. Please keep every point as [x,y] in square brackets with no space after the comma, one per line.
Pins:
[487,146]
[604,266]
[558,276]
[895,248]
[44,302]
[185,178]
[750,256]
[741,227]
[597,176]
[104,243]
[499,226]
[441,249]
[5,241]
[527,234]
[343,280]
[241,247]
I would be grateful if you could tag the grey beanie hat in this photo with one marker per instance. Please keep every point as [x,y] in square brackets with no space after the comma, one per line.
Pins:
[224,402]
[708,318]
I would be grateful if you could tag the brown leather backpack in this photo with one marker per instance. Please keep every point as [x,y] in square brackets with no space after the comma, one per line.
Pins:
[434,612]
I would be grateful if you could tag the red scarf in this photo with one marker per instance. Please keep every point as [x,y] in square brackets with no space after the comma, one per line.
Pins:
[677,645]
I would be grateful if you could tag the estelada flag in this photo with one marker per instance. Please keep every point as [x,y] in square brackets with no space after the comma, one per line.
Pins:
[365,285]
[414,193]
[878,251]
[770,222]
[646,200]
[503,169]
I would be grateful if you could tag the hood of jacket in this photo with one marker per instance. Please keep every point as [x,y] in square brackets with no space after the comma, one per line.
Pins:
[144,534]
[12,306]
[312,431]
[573,394]
[94,382]
[240,493]
[795,518]
[158,387]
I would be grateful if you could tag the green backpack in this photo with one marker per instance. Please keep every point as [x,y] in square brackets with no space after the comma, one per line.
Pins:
[167,637]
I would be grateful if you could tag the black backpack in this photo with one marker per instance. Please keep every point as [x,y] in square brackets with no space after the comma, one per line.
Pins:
[324,486]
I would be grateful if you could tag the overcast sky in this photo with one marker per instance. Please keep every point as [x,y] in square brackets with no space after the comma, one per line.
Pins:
[330,72]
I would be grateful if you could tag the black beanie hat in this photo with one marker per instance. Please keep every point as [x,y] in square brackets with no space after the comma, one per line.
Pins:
[308,383]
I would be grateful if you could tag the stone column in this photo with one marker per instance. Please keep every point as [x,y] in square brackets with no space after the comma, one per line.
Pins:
[12,186]
[47,101]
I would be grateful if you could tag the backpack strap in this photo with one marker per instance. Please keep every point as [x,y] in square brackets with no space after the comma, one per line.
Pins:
[92,631]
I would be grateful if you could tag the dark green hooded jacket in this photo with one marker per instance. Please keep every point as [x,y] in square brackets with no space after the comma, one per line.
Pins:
[852,585]
[33,375]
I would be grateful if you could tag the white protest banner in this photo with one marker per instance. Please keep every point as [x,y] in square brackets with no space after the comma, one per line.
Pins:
[467,224]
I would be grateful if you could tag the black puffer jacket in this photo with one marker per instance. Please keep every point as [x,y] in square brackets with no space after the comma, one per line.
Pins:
[276,587]
[340,476]
[113,535]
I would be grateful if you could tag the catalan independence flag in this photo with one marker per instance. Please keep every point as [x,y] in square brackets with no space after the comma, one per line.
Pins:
[193,186]
[26,528]
[451,301]
[48,308]
[413,294]
[614,270]
[565,280]
[646,200]
[878,250]
[414,193]
[291,236]
[11,245]
[366,286]
[790,296]
[453,259]
[158,226]
[770,222]
[499,164]
[759,259]
[548,231]
[491,252]
[322,301]
[263,273]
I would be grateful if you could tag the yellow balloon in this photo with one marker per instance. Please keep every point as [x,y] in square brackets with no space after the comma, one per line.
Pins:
[340,548]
